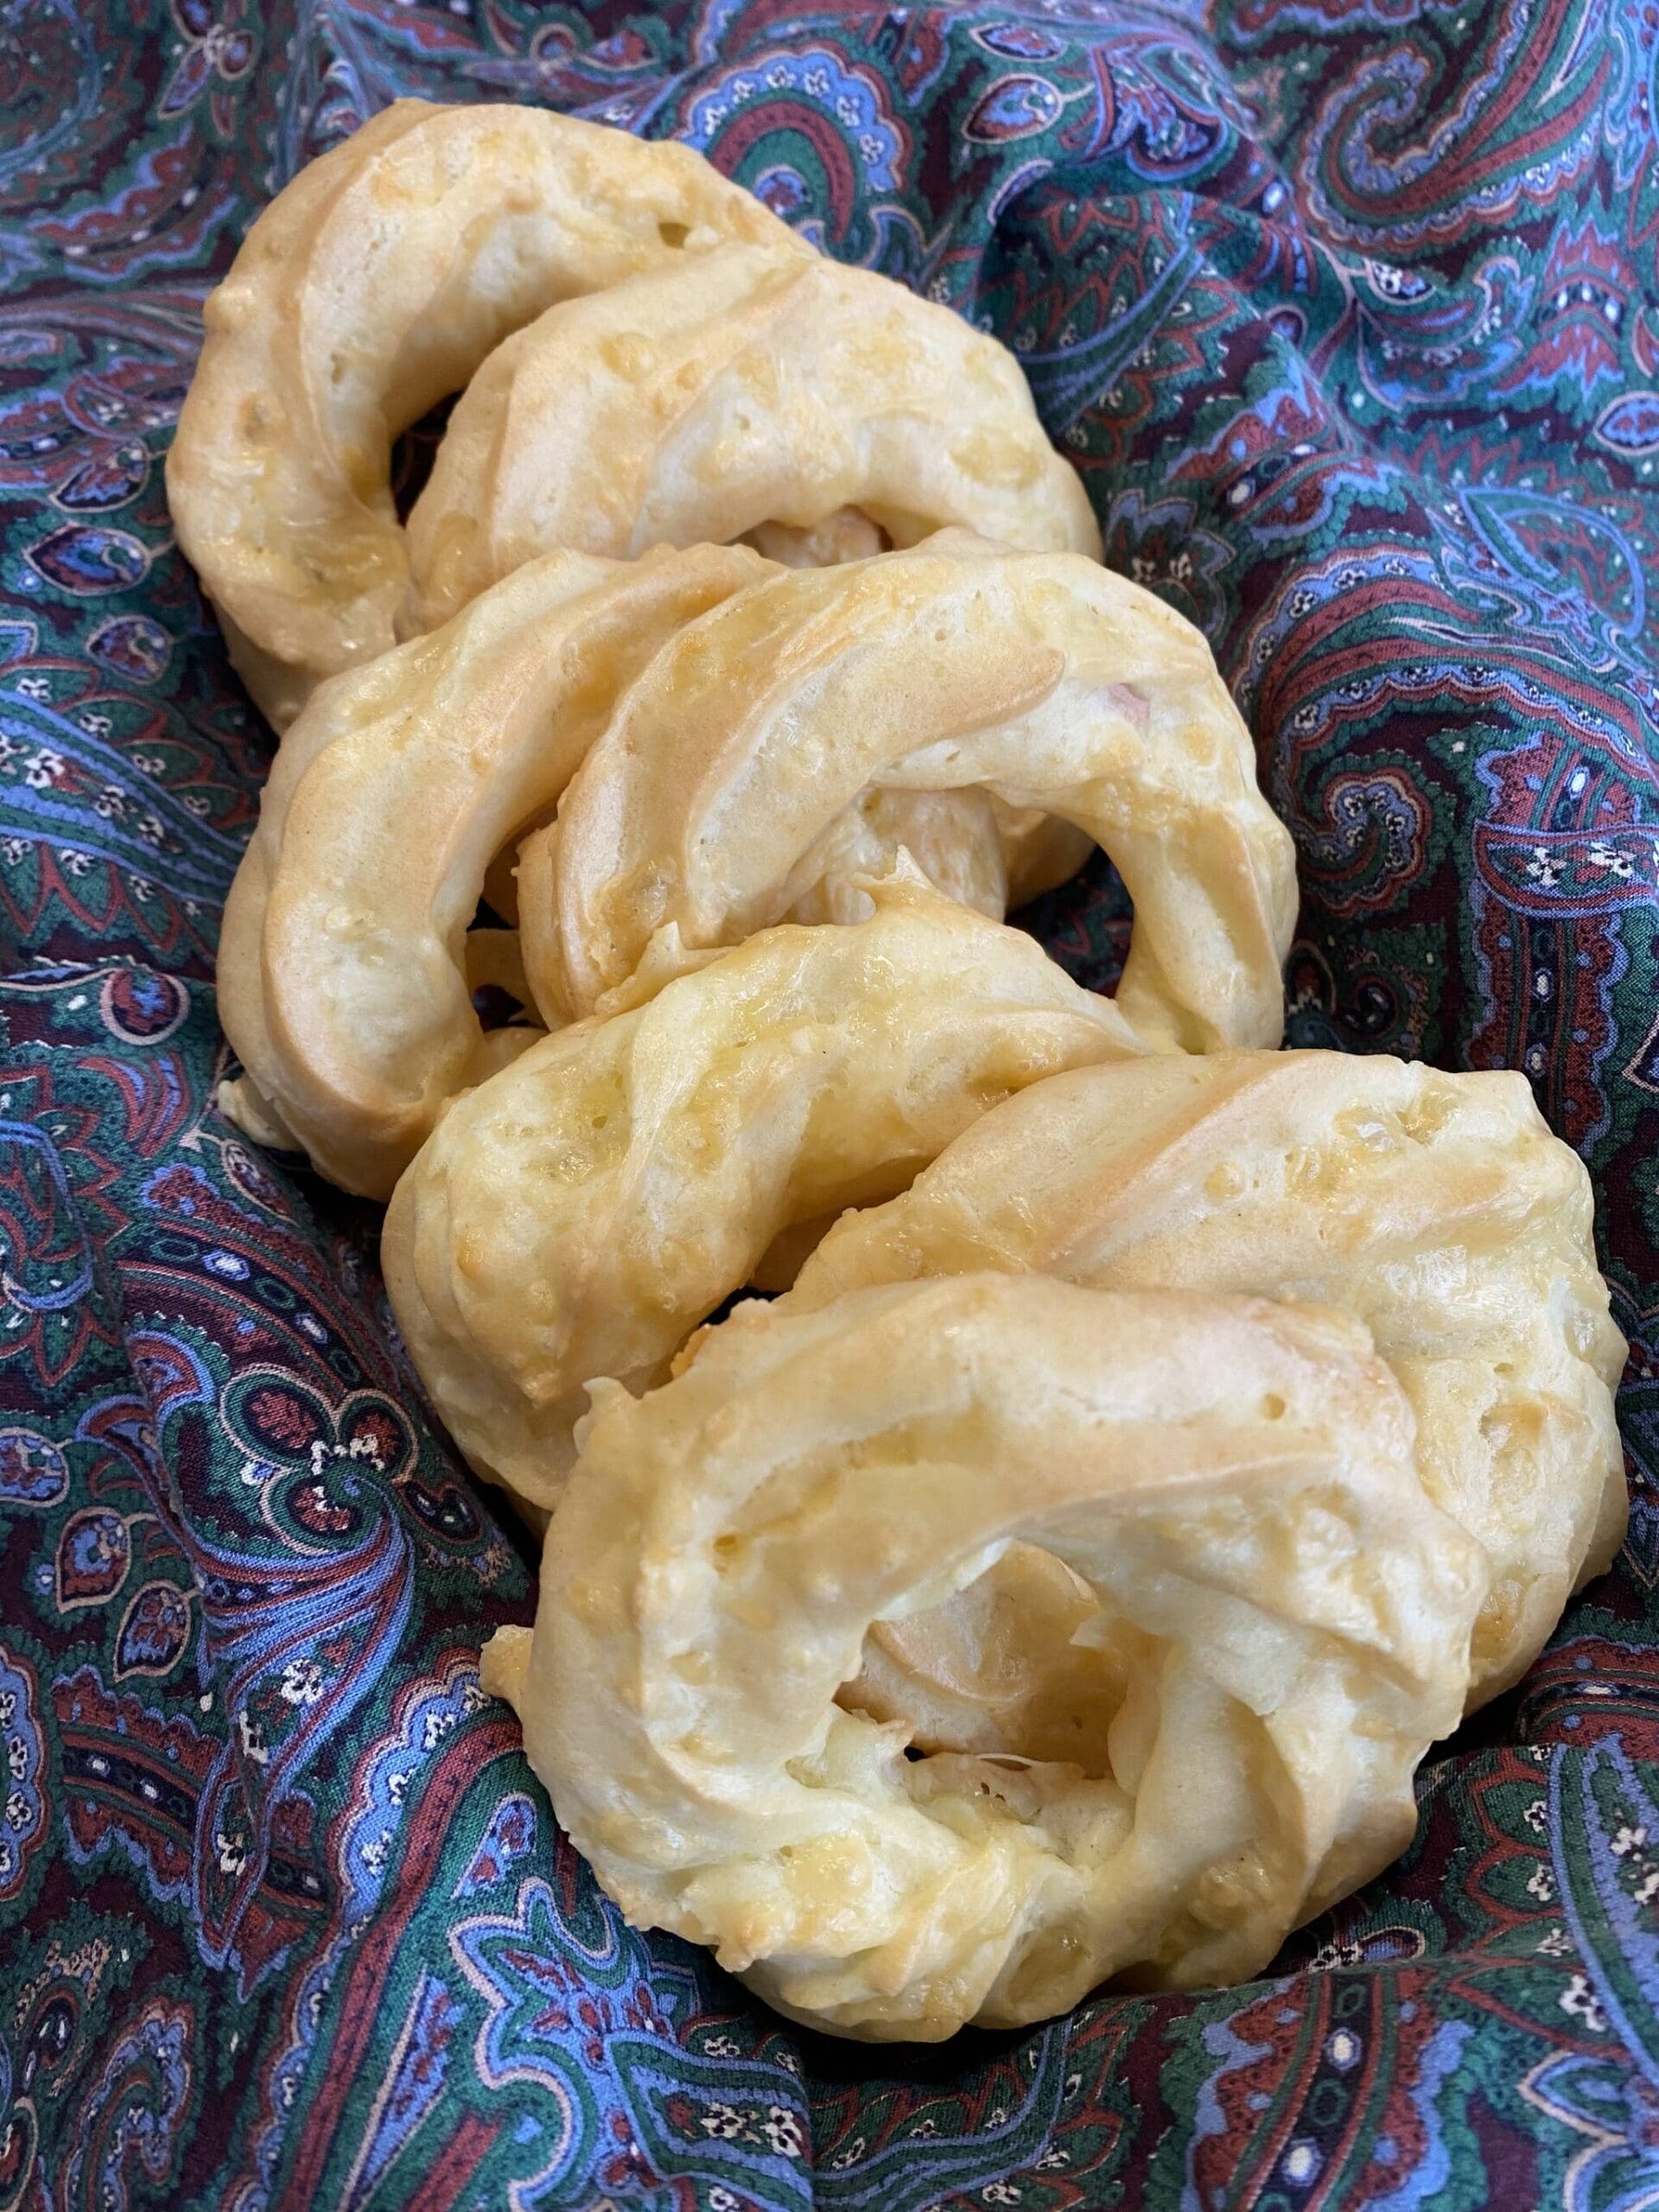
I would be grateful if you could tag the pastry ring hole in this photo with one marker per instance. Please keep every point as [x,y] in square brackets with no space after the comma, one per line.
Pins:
[1024,1667]
[413,452]
[498,1009]
[1272,1408]
[500,995]
[672,234]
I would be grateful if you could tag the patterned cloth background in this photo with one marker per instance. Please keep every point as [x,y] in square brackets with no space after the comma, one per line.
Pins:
[1348,311]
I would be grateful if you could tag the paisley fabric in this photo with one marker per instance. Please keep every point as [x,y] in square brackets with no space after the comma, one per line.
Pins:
[1348,311]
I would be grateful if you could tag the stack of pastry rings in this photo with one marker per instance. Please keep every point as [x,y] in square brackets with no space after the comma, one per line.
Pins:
[1154,1439]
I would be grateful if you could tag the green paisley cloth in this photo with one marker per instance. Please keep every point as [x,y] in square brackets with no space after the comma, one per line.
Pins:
[1348,312]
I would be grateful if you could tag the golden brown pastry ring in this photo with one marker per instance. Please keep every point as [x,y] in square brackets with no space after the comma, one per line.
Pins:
[372,286]
[747,390]
[582,1213]
[1284,1613]
[1438,1208]
[1041,678]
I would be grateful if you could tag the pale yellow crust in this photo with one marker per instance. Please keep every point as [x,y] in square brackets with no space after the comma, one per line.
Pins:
[1280,1614]
[707,400]
[345,973]
[1042,678]
[346,965]
[582,1213]
[371,287]
[1438,1208]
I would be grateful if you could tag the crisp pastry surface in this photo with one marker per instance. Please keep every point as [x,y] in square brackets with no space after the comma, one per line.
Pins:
[372,286]
[1041,678]
[1439,1208]
[700,402]
[1282,1612]
[581,1212]
[346,966]
[345,973]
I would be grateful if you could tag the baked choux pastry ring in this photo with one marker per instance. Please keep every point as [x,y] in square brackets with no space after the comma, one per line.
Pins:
[1041,678]
[1438,1208]
[740,390]
[1283,1613]
[346,971]
[584,1210]
[371,287]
